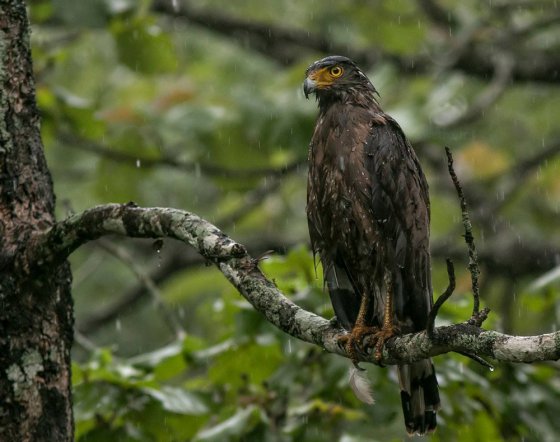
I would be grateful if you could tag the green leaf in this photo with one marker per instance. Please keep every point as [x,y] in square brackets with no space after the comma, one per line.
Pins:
[177,400]
[143,46]
[236,426]
[98,399]
[233,366]
[156,357]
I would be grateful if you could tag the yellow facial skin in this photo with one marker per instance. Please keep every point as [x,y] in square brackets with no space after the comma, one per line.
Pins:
[324,77]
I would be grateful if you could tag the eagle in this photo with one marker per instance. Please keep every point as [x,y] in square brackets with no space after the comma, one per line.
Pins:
[368,214]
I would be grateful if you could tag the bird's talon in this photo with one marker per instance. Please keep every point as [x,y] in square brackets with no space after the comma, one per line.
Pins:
[380,338]
[353,342]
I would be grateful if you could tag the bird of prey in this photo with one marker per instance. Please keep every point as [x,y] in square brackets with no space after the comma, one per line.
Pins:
[368,214]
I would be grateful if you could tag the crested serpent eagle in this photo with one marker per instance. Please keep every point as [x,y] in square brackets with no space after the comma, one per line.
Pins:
[369,216]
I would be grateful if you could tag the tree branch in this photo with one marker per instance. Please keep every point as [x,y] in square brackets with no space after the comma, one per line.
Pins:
[134,160]
[286,45]
[469,238]
[444,297]
[272,41]
[55,244]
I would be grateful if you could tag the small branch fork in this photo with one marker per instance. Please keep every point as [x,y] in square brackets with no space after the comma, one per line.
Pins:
[444,297]
[478,316]
[435,309]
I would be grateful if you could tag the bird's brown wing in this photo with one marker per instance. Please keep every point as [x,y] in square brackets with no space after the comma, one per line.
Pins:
[400,204]
[338,204]
[383,191]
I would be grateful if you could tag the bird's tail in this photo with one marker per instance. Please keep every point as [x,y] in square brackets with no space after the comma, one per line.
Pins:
[419,396]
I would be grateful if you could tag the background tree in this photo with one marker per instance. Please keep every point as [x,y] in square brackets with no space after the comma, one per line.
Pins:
[198,106]
[36,316]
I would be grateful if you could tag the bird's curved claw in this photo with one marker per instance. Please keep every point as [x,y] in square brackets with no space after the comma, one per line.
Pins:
[379,338]
[353,342]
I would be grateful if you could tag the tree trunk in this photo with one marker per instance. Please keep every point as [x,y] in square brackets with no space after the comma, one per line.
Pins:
[36,316]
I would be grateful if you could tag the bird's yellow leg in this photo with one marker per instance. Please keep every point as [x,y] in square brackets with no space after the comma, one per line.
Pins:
[389,329]
[353,341]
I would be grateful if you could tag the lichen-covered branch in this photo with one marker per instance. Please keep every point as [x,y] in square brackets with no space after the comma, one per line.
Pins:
[242,271]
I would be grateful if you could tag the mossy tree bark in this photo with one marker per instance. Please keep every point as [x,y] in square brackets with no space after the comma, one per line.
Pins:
[36,315]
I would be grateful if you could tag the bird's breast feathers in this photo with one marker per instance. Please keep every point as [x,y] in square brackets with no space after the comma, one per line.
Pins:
[337,153]
[340,184]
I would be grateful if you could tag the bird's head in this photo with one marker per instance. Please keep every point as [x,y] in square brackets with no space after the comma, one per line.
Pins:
[335,76]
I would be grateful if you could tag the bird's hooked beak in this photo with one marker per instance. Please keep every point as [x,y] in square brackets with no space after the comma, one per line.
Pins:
[309,87]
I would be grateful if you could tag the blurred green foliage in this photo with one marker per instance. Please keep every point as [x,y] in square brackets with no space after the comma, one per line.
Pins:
[142,107]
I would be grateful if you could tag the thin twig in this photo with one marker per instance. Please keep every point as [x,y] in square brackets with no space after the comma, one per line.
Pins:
[478,359]
[84,342]
[444,297]
[478,318]
[169,317]
[469,239]
[175,260]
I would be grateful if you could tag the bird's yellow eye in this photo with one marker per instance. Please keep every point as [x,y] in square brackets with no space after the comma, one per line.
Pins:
[336,71]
